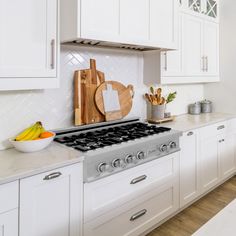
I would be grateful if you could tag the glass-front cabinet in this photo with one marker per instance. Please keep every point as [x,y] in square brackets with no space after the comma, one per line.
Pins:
[206,7]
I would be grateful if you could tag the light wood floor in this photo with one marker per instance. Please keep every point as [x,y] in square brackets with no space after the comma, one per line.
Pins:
[193,217]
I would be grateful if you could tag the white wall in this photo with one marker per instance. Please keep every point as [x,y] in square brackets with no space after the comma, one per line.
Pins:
[55,108]
[223,94]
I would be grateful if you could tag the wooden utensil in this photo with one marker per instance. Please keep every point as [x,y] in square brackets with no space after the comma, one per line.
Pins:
[85,85]
[125,99]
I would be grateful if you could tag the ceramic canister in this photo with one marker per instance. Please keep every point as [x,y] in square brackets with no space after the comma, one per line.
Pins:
[158,112]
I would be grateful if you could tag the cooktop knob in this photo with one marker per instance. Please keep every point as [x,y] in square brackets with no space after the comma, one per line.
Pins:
[129,159]
[141,155]
[172,145]
[117,163]
[103,167]
[163,148]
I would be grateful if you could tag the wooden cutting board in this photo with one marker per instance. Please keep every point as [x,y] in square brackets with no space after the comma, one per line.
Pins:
[85,85]
[125,95]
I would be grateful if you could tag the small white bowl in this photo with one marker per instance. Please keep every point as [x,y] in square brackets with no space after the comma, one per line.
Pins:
[32,145]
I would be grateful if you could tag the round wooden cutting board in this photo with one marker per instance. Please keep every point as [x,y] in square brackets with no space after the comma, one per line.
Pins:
[125,96]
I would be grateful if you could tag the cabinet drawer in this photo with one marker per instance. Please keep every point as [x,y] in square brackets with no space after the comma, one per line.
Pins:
[138,218]
[213,130]
[109,193]
[8,196]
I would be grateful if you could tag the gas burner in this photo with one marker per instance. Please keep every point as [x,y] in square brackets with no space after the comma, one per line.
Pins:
[91,140]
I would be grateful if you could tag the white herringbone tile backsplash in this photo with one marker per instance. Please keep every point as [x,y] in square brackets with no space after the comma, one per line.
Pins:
[54,107]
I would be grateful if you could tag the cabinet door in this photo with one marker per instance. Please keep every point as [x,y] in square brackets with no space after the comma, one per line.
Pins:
[164,23]
[209,163]
[9,223]
[192,38]
[28,39]
[134,20]
[188,168]
[227,155]
[211,48]
[51,203]
[100,19]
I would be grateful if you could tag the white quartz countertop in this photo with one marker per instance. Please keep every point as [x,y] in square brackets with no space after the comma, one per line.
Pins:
[223,224]
[15,165]
[188,122]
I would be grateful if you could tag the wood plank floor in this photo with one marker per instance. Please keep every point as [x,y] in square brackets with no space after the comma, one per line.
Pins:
[193,217]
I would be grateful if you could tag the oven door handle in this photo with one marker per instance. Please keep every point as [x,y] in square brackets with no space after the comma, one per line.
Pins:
[138,179]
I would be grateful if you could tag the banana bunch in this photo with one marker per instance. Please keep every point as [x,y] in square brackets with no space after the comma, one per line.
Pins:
[31,133]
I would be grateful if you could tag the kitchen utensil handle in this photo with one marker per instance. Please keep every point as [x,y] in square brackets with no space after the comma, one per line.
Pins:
[190,133]
[138,215]
[52,176]
[166,66]
[220,127]
[138,179]
[53,54]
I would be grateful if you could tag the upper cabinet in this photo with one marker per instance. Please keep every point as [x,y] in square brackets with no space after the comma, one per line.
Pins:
[208,8]
[149,24]
[29,44]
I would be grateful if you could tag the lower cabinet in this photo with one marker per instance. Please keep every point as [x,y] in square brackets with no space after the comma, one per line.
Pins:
[9,223]
[51,203]
[189,182]
[133,201]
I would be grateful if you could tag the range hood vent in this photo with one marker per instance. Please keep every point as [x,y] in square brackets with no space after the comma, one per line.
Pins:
[103,44]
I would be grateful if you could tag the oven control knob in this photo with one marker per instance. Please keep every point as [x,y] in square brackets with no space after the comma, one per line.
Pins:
[103,167]
[163,148]
[129,159]
[172,145]
[117,163]
[141,155]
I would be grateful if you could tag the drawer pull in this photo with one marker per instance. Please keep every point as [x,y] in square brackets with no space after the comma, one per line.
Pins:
[190,133]
[139,179]
[52,176]
[53,54]
[220,127]
[138,215]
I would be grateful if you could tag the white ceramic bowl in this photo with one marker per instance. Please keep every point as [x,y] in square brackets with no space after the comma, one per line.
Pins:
[32,145]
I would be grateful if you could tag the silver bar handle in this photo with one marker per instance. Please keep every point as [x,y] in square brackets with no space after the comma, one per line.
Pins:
[190,133]
[166,66]
[52,54]
[138,215]
[52,176]
[220,127]
[138,179]
[203,64]
[206,63]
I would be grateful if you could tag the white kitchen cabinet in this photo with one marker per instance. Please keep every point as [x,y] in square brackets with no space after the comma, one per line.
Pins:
[164,22]
[9,209]
[116,23]
[9,223]
[192,49]
[211,49]
[29,44]
[226,150]
[189,173]
[51,203]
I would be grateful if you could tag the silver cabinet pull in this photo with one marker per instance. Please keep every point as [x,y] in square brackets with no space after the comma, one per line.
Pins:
[53,54]
[190,133]
[203,63]
[220,127]
[206,64]
[165,67]
[52,176]
[139,179]
[138,215]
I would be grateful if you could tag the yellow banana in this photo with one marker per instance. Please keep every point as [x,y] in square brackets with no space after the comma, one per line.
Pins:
[31,133]
[25,133]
